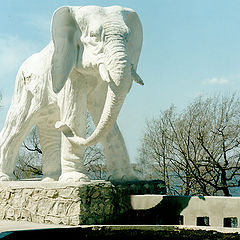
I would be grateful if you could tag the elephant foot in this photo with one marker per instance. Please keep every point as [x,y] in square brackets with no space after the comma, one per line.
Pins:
[4,177]
[73,177]
[121,176]
[48,179]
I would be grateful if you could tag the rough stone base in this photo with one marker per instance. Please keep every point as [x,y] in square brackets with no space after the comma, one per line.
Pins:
[97,202]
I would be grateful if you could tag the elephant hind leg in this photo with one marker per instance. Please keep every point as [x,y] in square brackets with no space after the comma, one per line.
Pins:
[20,119]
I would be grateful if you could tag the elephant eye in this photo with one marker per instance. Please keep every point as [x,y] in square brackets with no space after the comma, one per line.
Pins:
[93,34]
[96,34]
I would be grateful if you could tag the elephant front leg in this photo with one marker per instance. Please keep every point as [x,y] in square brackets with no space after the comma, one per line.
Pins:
[117,159]
[72,163]
[20,119]
[73,114]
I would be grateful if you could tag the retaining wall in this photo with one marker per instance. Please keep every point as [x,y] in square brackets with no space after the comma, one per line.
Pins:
[187,210]
[97,202]
[100,202]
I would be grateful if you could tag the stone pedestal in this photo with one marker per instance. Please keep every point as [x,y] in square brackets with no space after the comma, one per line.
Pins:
[97,202]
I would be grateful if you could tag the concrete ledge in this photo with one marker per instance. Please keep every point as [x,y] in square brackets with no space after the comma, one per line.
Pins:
[120,232]
[9,225]
[186,210]
[97,202]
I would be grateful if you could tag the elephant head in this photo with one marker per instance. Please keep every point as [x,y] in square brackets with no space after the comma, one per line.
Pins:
[107,40]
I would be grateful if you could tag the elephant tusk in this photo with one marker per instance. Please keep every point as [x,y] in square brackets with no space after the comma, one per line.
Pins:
[136,77]
[104,73]
[66,130]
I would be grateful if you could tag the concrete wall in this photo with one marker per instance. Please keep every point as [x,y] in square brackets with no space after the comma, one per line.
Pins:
[190,208]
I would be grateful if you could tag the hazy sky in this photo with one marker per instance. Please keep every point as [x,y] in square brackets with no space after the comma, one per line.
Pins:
[190,48]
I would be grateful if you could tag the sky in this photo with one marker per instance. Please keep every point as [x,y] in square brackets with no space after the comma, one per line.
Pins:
[190,48]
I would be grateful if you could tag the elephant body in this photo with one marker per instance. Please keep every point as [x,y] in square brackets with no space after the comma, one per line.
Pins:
[73,74]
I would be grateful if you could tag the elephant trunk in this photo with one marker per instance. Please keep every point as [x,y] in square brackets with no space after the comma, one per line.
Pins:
[116,71]
[114,100]
[109,115]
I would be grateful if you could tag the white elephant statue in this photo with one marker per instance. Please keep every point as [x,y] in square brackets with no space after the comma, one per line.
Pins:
[89,65]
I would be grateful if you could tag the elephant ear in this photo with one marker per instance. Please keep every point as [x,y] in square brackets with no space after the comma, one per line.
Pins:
[66,37]
[136,35]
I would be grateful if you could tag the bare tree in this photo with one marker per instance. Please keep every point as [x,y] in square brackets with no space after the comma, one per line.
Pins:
[94,162]
[29,157]
[155,151]
[196,151]
[32,142]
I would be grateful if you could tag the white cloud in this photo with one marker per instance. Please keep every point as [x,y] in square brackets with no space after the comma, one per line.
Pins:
[6,101]
[40,23]
[219,81]
[13,51]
